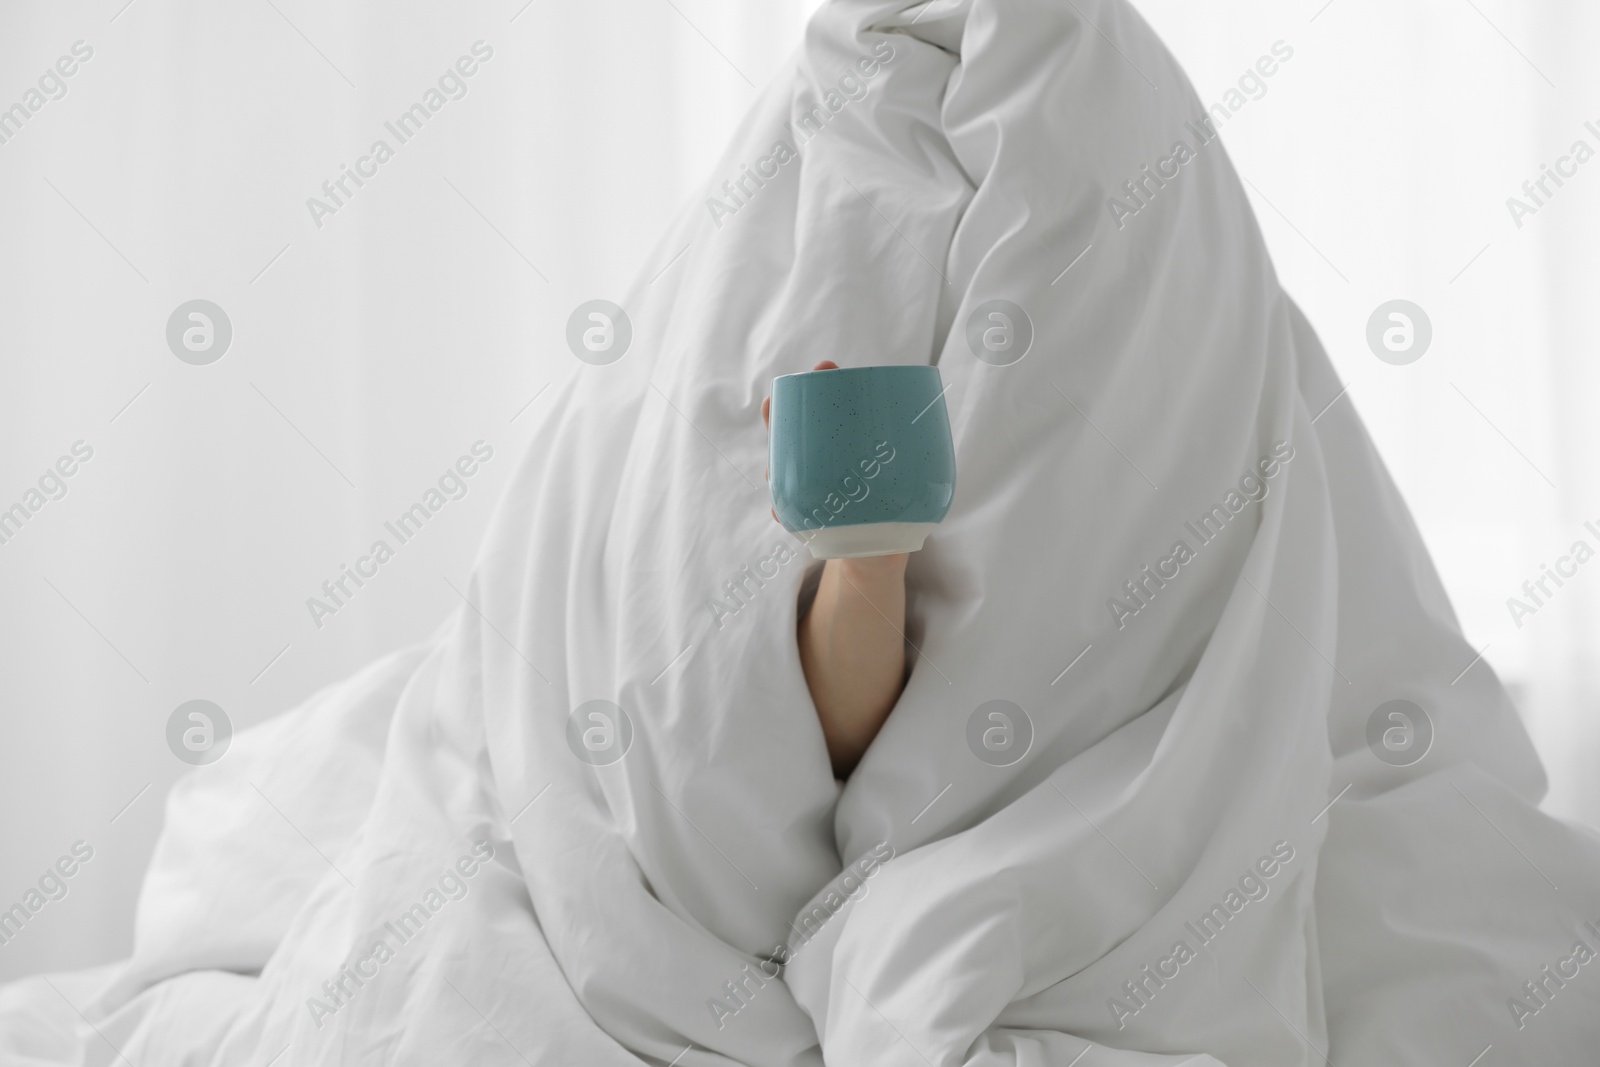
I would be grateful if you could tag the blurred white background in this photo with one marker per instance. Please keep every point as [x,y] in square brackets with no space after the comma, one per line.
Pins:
[370,352]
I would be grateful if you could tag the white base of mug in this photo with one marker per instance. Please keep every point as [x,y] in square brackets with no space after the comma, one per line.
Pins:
[866,539]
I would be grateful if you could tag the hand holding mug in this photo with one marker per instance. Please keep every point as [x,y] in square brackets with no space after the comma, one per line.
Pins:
[851,638]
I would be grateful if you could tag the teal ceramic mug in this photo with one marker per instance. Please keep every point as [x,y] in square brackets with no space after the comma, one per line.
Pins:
[860,459]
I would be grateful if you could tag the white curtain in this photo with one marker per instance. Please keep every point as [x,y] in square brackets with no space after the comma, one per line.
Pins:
[423,315]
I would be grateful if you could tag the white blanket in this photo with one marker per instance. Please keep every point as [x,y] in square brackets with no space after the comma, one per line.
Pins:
[1174,560]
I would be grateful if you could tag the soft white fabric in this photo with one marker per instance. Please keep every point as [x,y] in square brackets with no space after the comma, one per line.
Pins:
[1183,763]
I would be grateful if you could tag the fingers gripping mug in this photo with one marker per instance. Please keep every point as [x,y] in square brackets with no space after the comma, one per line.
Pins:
[860,459]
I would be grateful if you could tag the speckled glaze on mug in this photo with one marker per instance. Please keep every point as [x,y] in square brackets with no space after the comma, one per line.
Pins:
[860,459]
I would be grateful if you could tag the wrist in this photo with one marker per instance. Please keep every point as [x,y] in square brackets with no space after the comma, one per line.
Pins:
[874,570]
